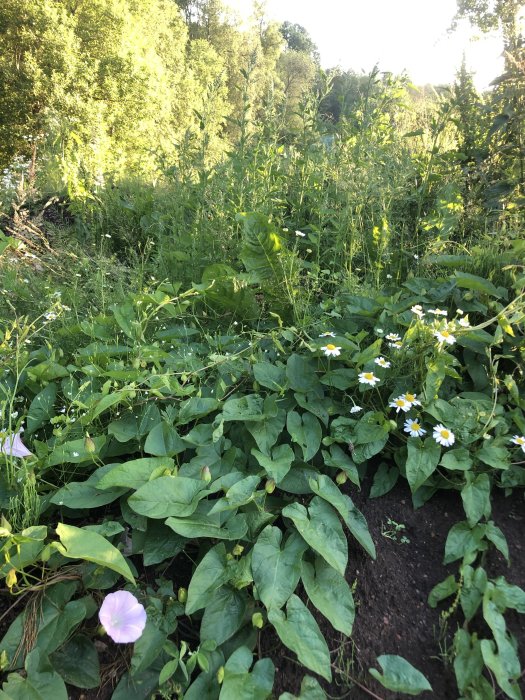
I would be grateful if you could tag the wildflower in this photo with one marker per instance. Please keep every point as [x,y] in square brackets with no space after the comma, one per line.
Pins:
[395,345]
[12,446]
[413,427]
[356,409]
[443,436]
[389,277]
[464,322]
[519,440]
[460,311]
[437,312]
[122,617]
[300,234]
[327,334]
[416,256]
[400,404]
[445,337]
[382,362]
[331,350]
[107,235]
[76,454]
[50,316]
[394,337]
[368,378]
[412,400]
[379,331]
[418,310]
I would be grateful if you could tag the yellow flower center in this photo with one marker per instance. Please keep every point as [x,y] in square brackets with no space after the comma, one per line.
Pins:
[368,375]
[445,334]
[415,426]
[410,397]
[520,441]
[400,402]
[330,346]
[444,434]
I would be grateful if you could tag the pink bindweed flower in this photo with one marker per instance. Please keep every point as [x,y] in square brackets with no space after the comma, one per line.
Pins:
[122,616]
[12,446]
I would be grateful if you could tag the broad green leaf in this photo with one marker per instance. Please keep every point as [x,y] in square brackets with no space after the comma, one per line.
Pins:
[147,647]
[164,441]
[194,408]
[310,690]
[161,543]
[66,661]
[271,376]
[210,574]
[442,590]
[319,525]
[472,590]
[299,631]
[301,375]
[247,408]
[266,432]
[467,281]
[468,662]
[340,460]
[78,543]
[385,479]
[330,593]
[41,408]
[74,452]
[476,499]
[38,686]
[223,615]
[133,474]
[240,684]
[506,595]
[278,465]
[213,526]
[399,675]
[503,664]
[106,402]
[167,496]
[422,461]
[494,456]
[304,430]
[276,571]
[353,518]
[496,536]
[462,540]
[458,459]
[80,494]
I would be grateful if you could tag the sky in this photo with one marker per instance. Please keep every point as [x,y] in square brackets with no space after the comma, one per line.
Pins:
[399,35]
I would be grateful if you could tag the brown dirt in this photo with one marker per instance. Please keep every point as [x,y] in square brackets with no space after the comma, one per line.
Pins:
[392,615]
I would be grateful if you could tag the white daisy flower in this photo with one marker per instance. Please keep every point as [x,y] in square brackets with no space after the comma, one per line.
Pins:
[331,350]
[418,310]
[328,334]
[400,404]
[437,312]
[464,322]
[382,362]
[412,399]
[443,436]
[356,409]
[300,234]
[394,337]
[519,440]
[413,427]
[395,345]
[368,378]
[445,337]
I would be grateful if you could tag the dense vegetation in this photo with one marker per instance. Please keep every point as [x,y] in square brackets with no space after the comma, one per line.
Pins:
[235,290]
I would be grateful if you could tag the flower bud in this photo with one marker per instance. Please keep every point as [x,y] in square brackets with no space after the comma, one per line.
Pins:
[220,675]
[269,486]
[182,595]
[89,445]
[237,550]
[341,478]
[206,474]
[11,579]
[258,620]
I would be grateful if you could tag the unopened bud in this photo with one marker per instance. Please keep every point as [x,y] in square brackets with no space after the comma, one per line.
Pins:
[269,486]
[182,595]
[237,550]
[341,478]
[206,474]
[89,445]
[220,675]
[11,579]
[258,620]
